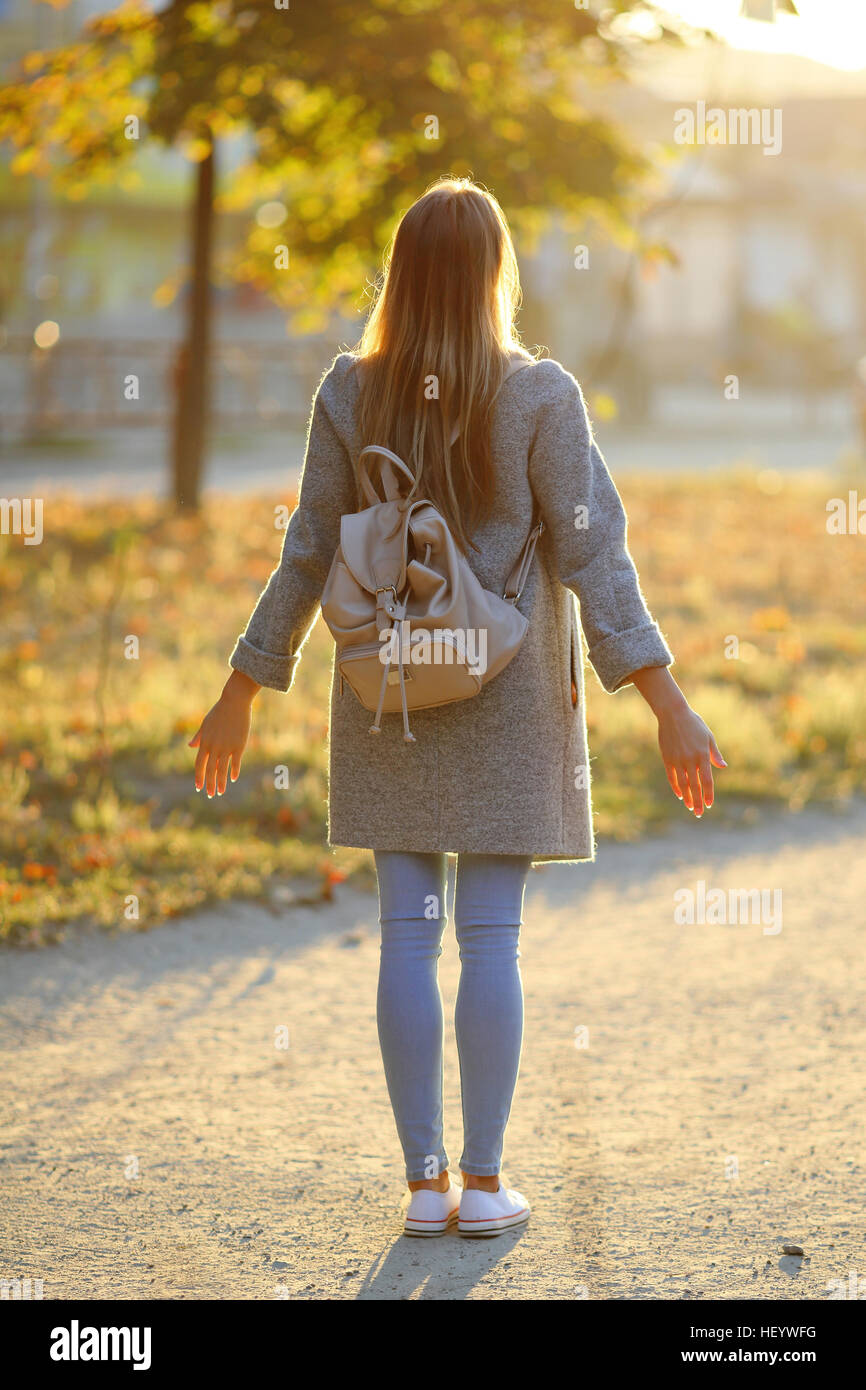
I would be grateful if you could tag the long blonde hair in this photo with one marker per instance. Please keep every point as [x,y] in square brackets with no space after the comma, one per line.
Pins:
[436,344]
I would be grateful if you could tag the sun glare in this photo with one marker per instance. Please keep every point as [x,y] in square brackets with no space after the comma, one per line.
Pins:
[829,31]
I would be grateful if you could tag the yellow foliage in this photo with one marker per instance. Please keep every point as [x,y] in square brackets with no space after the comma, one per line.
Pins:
[195,149]
[164,294]
[602,406]
[443,70]
[26,161]
[771,619]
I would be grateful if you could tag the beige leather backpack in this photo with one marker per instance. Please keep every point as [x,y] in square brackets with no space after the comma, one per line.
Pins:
[414,627]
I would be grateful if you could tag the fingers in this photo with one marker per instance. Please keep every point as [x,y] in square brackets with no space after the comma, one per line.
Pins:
[223,772]
[193,743]
[200,766]
[715,756]
[692,779]
[707,787]
[212,769]
[700,792]
[685,784]
[696,789]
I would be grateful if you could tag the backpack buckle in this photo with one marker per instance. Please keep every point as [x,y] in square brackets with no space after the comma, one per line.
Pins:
[386,612]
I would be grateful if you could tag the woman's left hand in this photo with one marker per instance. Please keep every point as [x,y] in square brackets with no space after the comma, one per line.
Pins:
[689,753]
[688,749]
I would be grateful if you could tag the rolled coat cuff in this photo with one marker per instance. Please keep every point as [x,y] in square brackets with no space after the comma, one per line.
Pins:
[615,657]
[266,668]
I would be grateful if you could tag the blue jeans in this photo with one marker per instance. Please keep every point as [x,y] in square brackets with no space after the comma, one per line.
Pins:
[488,903]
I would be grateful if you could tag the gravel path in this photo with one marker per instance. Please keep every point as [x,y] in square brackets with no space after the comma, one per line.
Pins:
[157,1143]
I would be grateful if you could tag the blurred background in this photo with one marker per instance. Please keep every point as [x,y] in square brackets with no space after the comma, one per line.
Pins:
[194,197]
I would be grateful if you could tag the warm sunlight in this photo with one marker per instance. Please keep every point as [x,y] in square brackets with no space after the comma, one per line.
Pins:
[490,934]
[830,31]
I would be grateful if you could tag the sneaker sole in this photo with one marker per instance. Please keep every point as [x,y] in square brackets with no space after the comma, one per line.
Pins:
[429,1229]
[475,1229]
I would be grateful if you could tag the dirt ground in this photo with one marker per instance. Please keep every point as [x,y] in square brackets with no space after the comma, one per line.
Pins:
[156,1142]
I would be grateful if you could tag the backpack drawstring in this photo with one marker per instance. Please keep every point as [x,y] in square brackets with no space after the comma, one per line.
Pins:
[408,736]
[376,726]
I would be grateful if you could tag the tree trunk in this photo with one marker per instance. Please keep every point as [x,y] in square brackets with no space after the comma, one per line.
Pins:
[192,369]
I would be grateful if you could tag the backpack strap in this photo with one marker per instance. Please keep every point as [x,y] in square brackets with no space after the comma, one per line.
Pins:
[516,581]
[392,492]
[517,578]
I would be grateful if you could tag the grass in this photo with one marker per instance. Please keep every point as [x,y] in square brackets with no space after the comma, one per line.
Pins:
[98,816]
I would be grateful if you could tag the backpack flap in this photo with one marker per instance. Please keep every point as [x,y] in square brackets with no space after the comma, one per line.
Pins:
[374,545]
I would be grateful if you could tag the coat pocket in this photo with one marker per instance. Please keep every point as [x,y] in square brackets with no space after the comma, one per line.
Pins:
[574,658]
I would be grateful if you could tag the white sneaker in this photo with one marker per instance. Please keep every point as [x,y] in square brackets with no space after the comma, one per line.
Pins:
[489,1213]
[431,1213]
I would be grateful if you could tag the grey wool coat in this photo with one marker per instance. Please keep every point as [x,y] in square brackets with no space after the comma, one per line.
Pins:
[507,771]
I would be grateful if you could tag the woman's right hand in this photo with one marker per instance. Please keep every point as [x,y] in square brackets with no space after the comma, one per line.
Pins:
[223,734]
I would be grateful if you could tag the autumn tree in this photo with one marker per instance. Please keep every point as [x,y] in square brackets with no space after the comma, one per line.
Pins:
[350,110]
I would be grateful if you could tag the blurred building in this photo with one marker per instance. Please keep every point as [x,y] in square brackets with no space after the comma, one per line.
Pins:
[766,282]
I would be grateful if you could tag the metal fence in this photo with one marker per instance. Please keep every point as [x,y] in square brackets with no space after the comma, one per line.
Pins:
[88,384]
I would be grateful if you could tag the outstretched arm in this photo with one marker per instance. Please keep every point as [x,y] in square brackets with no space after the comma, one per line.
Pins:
[268,651]
[586,524]
[585,516]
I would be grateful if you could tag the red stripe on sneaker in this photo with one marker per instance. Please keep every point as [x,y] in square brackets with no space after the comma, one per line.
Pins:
[478,1220]
[431,1220]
